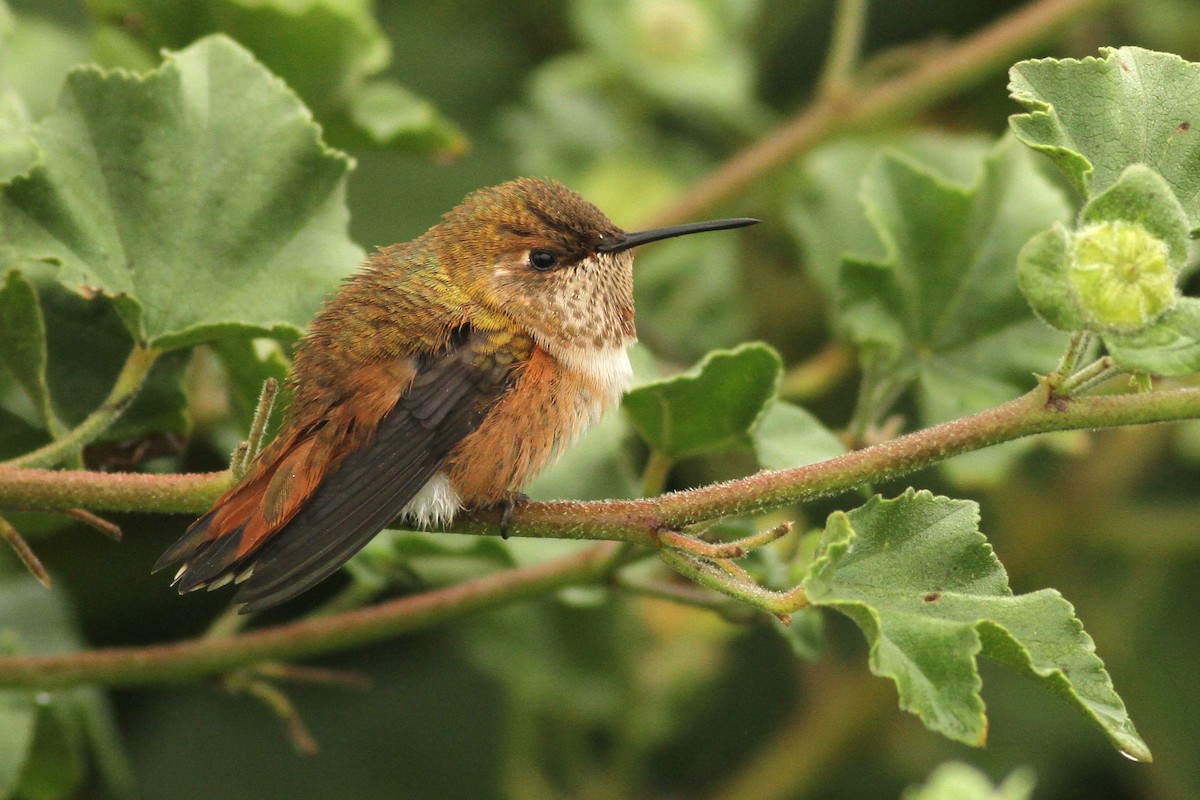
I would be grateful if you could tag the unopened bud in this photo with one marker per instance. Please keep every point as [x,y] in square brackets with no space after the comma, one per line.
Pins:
[1120,276]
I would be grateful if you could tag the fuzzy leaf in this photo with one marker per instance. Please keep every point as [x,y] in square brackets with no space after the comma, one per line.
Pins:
[199,196]
[1042,275]
[691,54]
[1096,116]
[788,436]
[328,51]
[828,213]
[71,724]
[23,344]
[1171,346]
[945,302]
[1141,196]
[957,781]
[921,581]
[713,406]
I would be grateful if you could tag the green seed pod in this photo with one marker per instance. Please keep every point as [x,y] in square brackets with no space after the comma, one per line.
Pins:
[1120,276]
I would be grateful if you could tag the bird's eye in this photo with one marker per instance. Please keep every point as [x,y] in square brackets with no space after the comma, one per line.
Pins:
[542,260]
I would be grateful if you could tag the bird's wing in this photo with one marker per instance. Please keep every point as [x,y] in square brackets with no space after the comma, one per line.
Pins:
[355,497]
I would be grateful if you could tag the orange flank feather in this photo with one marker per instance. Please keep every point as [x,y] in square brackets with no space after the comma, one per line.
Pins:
[545,410]
[283,477]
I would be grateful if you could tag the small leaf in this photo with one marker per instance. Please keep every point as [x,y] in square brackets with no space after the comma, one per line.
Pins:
[1141,196]
[18,714]
[199,197]
[23,344]
[921,581]
[1042,275]
[713,406]
[788,436]
[1170,347]
[686,53]
[393,116]
[88,344]
[72,725]
[957,781]
[805,633]
[829,217]
[1096,116]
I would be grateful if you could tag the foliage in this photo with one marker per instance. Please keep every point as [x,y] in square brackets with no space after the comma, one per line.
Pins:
[173,211]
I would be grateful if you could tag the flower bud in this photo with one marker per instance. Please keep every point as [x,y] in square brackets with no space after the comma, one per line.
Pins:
[1120,276]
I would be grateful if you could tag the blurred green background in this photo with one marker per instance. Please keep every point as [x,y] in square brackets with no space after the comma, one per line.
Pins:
[600,695]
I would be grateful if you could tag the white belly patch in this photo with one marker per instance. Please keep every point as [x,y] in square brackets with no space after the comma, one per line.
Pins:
[435,504]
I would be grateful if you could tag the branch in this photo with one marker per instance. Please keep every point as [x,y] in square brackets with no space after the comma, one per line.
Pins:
[836,112]
[639,521]
[60,490]
[128,666]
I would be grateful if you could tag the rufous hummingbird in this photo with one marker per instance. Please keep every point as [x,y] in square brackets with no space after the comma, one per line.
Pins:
[446,373]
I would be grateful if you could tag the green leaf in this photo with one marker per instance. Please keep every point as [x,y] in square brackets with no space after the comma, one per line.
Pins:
[788,436]
[18,715]
[688,53]
[23,345]
[327,51]
[34,57]
[945,302]
[1096,116]
[1170,347]
[1042,275]
[393,116]
[73,726]
[1141,196]
[713,406]
[805,633]
[921,581]
[324,49]
[57,765]
[320,47]
[957,781]
[830,219]
[198,196]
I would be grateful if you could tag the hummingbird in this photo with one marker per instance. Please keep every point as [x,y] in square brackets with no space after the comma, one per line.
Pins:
[445,373]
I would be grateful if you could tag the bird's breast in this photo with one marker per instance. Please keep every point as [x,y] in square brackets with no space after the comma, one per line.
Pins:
[553,401]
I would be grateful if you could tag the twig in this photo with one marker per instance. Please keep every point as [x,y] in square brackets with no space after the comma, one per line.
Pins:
[907,95]
[24,552]
[95,522]
[189,660]
[845,48]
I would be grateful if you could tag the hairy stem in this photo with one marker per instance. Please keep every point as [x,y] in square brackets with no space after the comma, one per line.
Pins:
[638,521]
[55,490]
[212,655]
[849,25]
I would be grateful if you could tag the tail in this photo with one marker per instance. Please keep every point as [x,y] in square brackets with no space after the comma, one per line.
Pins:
[221,546]
[319,493]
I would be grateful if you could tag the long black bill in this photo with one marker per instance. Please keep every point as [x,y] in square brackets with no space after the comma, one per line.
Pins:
[625,241]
